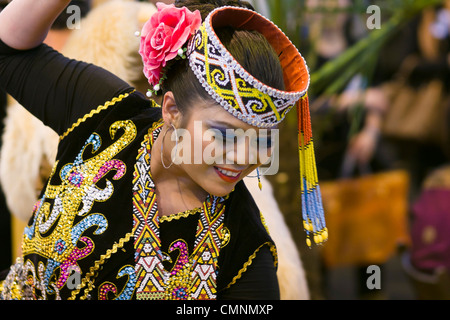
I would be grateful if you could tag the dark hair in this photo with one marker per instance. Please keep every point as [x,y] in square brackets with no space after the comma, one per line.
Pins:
[249,48]
[206,6]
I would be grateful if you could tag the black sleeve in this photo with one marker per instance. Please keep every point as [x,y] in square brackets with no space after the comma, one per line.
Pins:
[54,88]
[259,282]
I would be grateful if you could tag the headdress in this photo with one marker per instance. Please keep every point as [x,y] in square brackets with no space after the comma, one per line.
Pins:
[250,100]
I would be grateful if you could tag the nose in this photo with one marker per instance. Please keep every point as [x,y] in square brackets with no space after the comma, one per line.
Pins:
[242,153]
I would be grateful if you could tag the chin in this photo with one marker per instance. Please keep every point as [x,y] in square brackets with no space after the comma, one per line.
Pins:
[220,190]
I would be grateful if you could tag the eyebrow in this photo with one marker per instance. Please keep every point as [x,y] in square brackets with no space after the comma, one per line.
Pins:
[220,123]
[227,125]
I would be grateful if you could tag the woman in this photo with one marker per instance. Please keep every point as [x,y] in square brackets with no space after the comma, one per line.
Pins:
[121,217]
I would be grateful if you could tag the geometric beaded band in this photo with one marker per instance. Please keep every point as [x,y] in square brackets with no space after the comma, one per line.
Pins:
[230,85]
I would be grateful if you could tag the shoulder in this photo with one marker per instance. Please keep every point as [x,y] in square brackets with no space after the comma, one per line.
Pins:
[249,238]
[257,281]
[130,105]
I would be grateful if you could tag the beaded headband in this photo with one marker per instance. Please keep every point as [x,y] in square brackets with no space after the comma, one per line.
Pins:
[257,104]
[231,85]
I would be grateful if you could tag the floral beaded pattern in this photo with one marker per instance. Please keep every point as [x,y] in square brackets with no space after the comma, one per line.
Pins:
[62,216]
[179,283]
[127,292]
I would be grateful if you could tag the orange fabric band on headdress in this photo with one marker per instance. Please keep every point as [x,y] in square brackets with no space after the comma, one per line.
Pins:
[295,71]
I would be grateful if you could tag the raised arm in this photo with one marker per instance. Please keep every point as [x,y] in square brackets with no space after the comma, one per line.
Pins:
[24,24]
[55,89]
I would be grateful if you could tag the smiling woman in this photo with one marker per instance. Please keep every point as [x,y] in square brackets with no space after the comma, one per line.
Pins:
[118,206]
[214,165]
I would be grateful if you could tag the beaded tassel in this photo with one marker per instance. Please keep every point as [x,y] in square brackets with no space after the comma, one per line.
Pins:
[259,179]
[312,208]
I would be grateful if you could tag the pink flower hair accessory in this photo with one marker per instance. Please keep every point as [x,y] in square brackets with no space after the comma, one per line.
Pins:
[163,38]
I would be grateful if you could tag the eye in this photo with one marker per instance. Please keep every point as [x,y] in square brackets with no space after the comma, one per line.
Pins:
[264,142]
[226,135]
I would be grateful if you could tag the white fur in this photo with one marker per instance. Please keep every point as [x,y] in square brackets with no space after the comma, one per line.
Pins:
[26,145]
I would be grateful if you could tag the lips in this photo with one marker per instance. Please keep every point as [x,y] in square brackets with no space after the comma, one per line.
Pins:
[228,175]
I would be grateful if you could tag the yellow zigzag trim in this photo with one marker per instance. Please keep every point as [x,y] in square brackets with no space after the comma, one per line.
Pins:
[263,220]
[178,216]
[250,261]
[94,112]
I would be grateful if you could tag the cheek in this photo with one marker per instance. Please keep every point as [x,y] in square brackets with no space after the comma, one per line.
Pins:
[213,152]
[205,149]
[265,154]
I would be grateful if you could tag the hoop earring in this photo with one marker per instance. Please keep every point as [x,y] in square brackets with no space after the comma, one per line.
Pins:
[162,147]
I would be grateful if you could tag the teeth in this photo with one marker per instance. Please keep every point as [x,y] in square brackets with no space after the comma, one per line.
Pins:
[228,173]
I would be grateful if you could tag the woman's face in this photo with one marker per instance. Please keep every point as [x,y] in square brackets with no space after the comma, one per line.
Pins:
[216,150]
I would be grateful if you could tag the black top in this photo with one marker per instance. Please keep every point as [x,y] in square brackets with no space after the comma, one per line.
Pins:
[55,89]
[60,91]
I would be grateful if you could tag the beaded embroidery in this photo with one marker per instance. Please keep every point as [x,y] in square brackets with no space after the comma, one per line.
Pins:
[127,292]
[194,276]
[236,90]
[15,286]
[72,201]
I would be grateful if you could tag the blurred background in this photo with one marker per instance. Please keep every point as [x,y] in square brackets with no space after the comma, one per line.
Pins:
[379,99]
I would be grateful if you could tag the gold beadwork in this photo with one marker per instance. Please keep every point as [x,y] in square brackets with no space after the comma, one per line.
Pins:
[226,236]
[69,196]
[89,279]
[75,197]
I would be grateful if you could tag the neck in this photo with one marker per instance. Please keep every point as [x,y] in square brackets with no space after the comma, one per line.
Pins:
[175,190]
